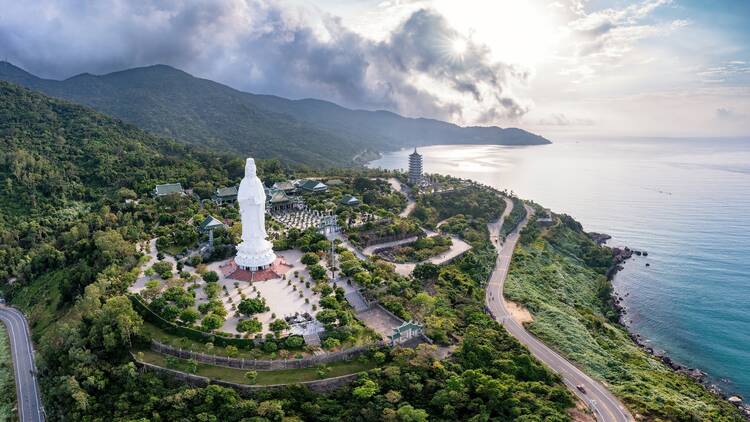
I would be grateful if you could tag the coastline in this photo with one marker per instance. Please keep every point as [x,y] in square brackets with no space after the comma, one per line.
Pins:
[622,255]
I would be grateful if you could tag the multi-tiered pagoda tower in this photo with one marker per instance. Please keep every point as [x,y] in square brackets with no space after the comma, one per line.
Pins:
[415,168]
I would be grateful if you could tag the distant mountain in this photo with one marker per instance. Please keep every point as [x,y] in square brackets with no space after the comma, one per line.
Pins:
[170,102]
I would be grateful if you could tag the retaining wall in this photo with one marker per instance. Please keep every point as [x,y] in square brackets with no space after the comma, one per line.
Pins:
[263,365]
[320,386]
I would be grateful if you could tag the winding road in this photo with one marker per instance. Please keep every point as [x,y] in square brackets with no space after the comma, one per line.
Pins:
[606,407]
[27,391]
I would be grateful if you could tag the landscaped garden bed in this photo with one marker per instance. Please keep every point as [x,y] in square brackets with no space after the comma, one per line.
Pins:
[417,251]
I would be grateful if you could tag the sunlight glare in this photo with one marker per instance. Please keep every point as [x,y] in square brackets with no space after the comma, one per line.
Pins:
[518,32]
[459,46]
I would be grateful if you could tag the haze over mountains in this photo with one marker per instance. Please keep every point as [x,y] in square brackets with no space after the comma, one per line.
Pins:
[170,102]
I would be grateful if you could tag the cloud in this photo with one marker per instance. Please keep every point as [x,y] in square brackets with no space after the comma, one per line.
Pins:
[733,71]
[260,46]
[724,113]
[602,39]
[560,119]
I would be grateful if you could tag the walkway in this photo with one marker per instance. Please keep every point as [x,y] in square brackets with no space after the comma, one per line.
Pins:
[27,391]
[605,405]
[397,186]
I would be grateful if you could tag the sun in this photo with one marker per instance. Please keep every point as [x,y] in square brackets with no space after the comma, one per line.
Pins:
[459,46]
[516,31]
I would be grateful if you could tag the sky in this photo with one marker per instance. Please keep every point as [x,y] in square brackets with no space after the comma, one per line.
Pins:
[562,68]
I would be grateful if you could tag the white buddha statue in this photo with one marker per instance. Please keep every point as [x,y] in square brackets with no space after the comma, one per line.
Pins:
[255,252]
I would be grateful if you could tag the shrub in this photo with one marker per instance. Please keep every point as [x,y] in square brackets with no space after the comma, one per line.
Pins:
[251,377]
[310,258]
[249,326]
[294,342]
[317,272]
[211,289]
[170,312]
[379,357]
[278,325]
[323,371]
[270,346]
[331,343]
[189,315]
[212,322]
[210,277]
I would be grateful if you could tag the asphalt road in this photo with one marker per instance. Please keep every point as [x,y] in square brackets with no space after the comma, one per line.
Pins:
[604,404]
[27,390]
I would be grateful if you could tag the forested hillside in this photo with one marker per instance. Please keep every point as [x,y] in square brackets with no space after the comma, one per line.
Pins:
[55,154]
[60,163]
[68,254]
[170,102]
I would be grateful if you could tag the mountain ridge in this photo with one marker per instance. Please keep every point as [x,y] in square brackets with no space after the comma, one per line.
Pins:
[171,102]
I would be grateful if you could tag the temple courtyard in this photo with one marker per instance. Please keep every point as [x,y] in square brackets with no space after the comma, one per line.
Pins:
[283,299]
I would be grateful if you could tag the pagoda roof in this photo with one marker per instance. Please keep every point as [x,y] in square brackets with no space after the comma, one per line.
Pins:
[168,188]
[227,191]
[284,185]
[349,200]
[278,196]
[403,328]
[210,223]
[313,185]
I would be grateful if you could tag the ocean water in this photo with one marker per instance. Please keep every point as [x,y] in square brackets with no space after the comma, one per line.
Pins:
[685,201]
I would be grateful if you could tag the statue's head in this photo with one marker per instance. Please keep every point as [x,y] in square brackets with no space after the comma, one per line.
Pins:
[250,168]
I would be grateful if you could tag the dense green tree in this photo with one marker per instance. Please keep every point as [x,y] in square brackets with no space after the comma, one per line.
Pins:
[252,306]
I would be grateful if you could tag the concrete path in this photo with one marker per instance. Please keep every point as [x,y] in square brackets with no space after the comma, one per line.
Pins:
[27,391]
[397,186]
[372,248]
[605,405]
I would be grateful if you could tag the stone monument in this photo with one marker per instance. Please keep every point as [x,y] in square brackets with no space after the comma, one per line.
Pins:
[255,252]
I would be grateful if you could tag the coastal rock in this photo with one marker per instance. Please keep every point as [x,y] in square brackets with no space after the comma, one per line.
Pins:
[715,390]
[599,238]
[695,373]
[735,400]
[669,362]
[619,256]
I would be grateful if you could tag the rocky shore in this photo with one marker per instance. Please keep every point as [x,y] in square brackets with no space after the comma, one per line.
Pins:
[621,255]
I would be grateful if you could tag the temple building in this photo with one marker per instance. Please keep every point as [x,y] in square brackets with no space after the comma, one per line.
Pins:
[210,223]
[349,200]
[415,168]
[287,187]
[255,252]
[168,189]
[313,186]
[225,195]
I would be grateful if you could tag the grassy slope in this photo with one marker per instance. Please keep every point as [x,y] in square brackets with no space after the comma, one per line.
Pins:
[7,384]
[563,295]
[286,376]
